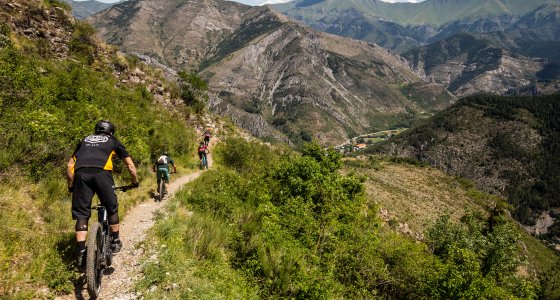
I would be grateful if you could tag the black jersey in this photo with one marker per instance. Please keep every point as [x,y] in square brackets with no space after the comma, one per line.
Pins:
[97,151]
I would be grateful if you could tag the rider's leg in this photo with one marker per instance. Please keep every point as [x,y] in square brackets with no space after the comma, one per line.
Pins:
[165,179]
[81,233]
[114,225]
[159,175]
[108,199]
[81,210]
[206,160]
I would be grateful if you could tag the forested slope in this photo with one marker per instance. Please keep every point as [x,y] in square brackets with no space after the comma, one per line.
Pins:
[56,82]
[508,145]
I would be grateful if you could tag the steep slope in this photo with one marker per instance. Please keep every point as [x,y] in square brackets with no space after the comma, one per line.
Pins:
[469,63]
[271,75]
[180,35]
[508,146]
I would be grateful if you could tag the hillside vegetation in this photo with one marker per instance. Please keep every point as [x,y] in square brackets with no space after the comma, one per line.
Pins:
[56,82]
[277,224]
[507,145]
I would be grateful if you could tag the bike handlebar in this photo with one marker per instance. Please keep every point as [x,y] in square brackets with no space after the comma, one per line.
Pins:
[125,188]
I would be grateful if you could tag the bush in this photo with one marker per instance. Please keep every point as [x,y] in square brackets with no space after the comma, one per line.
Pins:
[194,91]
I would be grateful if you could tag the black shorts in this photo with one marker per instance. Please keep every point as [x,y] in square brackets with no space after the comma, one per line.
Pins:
[206,138]
[90,181]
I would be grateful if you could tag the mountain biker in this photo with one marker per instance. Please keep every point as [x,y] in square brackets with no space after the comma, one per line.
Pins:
[207,135]
[90,172]
[202,151]
[161,166]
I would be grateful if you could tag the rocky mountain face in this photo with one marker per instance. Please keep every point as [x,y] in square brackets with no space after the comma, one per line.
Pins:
[431,12]
[516,38]
[506,145]
[274,76]
[84,9]
[469,63]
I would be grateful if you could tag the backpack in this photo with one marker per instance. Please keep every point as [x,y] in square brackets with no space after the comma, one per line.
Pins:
[162,160]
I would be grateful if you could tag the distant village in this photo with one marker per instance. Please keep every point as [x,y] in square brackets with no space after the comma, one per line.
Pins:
[361,142]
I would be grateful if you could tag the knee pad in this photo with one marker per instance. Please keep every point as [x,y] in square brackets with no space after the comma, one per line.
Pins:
[82,225]
[114,219]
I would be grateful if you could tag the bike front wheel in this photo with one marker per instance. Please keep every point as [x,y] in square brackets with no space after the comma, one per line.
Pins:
[94,272]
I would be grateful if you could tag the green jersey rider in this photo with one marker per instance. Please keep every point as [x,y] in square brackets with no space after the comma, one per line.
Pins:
[161,166]
[90,172]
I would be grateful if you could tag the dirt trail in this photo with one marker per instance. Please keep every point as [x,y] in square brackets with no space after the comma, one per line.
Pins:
[118,281]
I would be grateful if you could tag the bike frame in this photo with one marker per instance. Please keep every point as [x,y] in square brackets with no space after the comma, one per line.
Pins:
[99,253]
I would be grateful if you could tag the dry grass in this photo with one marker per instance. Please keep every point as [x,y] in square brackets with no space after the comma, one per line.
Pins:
[417,195]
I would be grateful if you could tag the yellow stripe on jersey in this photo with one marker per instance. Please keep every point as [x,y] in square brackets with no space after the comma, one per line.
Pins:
[74,165]
[109,164]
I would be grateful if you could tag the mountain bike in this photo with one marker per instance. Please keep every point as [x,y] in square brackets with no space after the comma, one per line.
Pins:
[99,252]
[162,186]
[203,163]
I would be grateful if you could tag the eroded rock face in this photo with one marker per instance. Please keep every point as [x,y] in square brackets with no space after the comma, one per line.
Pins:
[469,64]
[280,78]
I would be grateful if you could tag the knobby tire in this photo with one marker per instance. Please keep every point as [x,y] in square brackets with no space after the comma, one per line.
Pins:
[161,189]
[93,260]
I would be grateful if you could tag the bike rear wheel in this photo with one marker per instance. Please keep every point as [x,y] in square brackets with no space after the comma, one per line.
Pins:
[161,189]
[94,272]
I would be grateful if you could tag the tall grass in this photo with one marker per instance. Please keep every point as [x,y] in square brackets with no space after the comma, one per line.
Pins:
[46,107]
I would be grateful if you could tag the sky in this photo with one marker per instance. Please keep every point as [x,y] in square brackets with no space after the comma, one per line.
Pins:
[260,2]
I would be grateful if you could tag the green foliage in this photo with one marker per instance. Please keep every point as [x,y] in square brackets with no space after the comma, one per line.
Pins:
[82,44]
[479,259]
[46,107]
[5,35]
[58,3]
[194,90]
[238,155]
[288,226]
[529,193]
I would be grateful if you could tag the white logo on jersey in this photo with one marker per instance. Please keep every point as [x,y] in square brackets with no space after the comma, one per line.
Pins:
[95,139]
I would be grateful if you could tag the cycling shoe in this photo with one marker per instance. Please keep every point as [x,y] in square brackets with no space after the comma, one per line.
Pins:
[116,246]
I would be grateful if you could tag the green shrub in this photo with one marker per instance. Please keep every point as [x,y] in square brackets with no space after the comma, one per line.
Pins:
[46,107]
[194,90]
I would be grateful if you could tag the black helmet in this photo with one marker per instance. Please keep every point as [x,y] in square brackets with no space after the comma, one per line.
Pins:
[104,126]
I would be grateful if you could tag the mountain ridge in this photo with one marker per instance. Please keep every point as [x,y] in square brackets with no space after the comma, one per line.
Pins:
[334,86]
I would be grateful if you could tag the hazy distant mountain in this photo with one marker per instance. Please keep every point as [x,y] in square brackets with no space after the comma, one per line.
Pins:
[402,26]
[472,63]
[274,76]
[431,12]
[84,9]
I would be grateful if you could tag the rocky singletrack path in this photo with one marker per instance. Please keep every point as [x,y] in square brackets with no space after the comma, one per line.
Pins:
[118,281]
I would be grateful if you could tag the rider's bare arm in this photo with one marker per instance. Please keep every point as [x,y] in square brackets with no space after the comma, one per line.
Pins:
[70,172]
[131,169]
